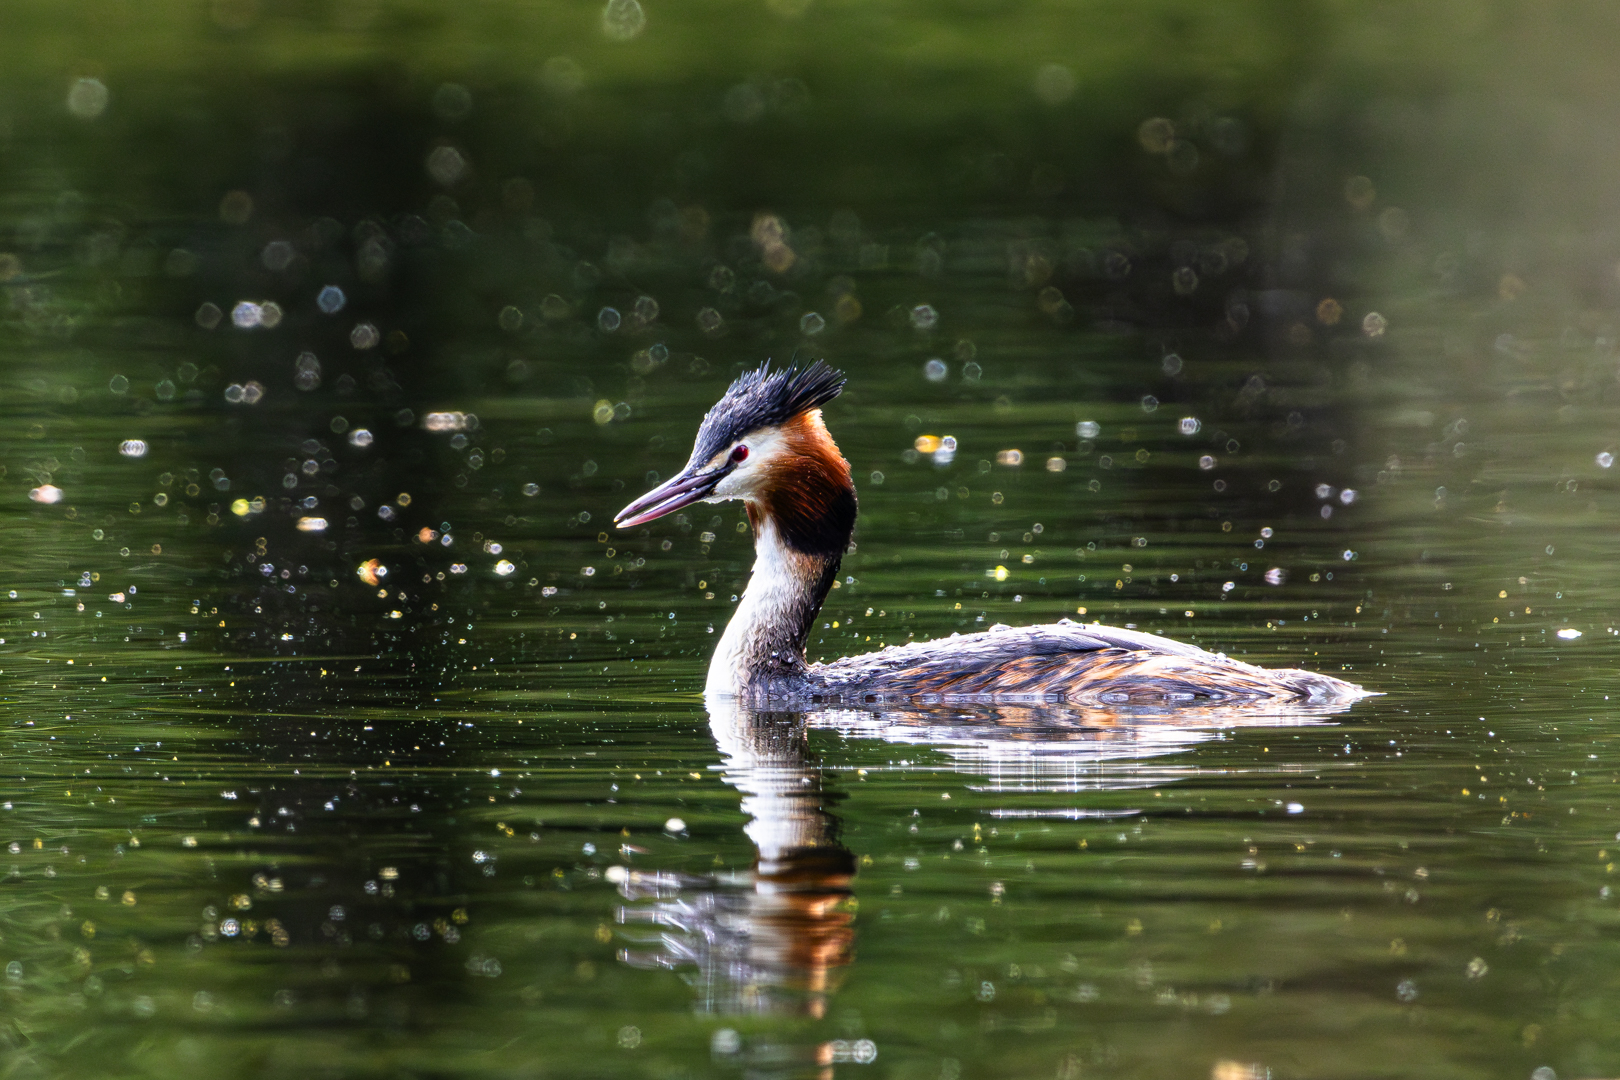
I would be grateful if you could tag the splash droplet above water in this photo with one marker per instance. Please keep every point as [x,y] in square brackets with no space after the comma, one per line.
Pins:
[1054,83]
[452,101]
[277,255]
[1156,135]
[623,20]
[447,166]
[88,98]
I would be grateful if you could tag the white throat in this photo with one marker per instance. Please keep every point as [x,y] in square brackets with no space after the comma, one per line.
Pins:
[759,642]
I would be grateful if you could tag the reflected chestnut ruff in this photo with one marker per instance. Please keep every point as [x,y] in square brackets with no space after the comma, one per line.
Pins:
[774,939]
[764,443]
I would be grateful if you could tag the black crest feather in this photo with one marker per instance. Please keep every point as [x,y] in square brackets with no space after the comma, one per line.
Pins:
[765,398]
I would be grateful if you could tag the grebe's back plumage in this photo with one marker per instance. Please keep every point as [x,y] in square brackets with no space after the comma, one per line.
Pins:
[764,443]
[1082,664]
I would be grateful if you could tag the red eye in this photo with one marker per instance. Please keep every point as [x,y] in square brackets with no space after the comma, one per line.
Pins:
[740,454]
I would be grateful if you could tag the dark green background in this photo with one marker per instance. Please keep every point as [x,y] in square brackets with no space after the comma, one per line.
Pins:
[185,732]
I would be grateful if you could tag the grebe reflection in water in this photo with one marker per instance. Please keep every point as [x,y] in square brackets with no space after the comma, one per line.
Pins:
[776,937]
[771,939]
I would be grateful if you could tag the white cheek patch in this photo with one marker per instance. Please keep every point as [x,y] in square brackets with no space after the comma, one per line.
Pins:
[764,446]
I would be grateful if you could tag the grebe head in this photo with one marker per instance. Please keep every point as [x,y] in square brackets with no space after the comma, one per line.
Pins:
[757,440]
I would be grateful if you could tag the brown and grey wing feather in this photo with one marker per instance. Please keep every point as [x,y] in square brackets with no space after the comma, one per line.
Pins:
[1080,664]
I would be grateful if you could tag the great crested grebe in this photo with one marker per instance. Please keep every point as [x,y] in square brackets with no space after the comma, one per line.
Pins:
[764,443]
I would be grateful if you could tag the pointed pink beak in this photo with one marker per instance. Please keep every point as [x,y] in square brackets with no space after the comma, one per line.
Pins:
[670,496]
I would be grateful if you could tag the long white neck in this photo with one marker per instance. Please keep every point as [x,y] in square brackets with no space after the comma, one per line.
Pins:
[765,639]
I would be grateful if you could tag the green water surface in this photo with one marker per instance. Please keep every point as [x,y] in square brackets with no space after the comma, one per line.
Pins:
[344,737]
